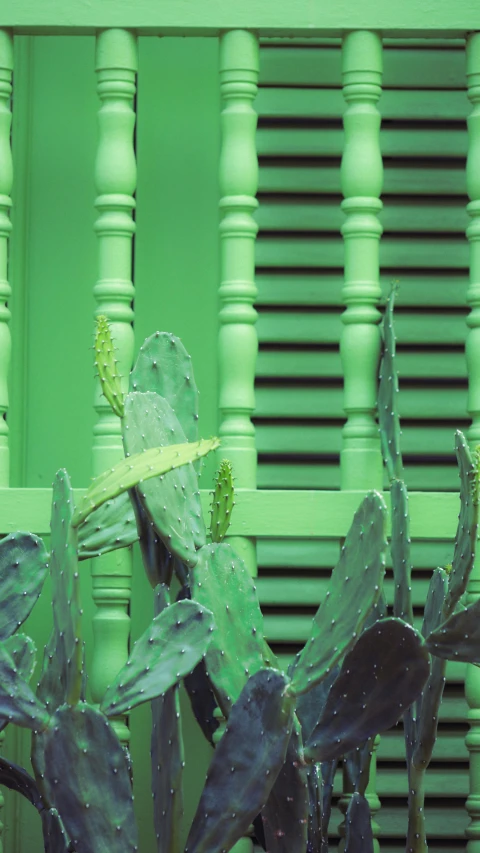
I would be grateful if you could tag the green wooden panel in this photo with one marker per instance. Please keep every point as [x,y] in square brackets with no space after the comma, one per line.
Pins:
[320,554]
[321,66]
[411,177]
[286,363]
[284,475]
[441,289]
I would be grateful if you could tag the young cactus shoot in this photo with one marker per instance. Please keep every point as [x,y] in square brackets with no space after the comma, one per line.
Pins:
[106,364]
[222,502]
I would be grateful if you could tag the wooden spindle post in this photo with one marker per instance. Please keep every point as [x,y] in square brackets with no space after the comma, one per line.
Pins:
[361,464]
[115,177]
[237,345]
[472,679]
[6,179]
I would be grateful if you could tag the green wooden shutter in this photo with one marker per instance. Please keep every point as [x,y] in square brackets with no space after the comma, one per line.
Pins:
[299,381]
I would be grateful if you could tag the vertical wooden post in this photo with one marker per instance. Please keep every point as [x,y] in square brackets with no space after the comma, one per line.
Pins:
[361,464]
[6,179]
[472,679]
[237,345]
[115,177]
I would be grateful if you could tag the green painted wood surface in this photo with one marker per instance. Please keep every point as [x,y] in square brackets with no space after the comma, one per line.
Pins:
[270,18]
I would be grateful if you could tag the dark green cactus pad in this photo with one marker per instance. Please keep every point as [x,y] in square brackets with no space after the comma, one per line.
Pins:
[285,815]
[170,648]
[400,550]
[67,611]
[23,652]
[199,690]
[310,705]
[358,827]
[158,562]
[245,764]
[164,367]
[378,611]
[109,527]
[435,603]
[172,500]
[354,588]
[466,536]
[389,422]
[222,502]
[357,765]
[380,678]
[327,770]
[23,569]
[221,582]
[166,749]
[18,704]
[17,779]
[459,637]
[314,826]
[87,781]
[55,838]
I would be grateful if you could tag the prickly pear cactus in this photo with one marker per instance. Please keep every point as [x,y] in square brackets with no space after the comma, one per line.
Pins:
[106,364]
[459,637]
[222,502]
[388,419]
[285,814]
[18,704]
[400,550]
[171,647]
[164,367]
[355,587]
[23,569]
[87,781]
[466,536]
[173,500]
[221,582]
[109,527]
[253,746]
[358,828]
[380,677]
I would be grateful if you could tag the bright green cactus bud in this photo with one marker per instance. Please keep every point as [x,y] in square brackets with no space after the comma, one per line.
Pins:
[222,502]
[106,364]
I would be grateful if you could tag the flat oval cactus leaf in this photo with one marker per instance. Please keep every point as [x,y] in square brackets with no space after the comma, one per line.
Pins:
[253,749]
[388,419]
[17,779]
[170,648]
[23,652]
[164,367]
[380,678]
[55,838]
[400,551]
[435,602]
[458,638]
[466,535]
[221,582]
[357,765]
[354,589]
[172,501]
[310,705]
[23,569]
[426,725]
[96,803]
[18,704]
[314,831]
[358,827]
[328,770]
[285,814]
[158,562]
[166,750]
[109,527]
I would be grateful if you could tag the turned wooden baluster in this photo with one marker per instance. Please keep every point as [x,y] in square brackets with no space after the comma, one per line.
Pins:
[237,344]
[361,464]
[472,680]
[6,178]
[115,177]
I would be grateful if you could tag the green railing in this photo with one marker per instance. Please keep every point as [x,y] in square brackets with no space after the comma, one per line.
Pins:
[117,25]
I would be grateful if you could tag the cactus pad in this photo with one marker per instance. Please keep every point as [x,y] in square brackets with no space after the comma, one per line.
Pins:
[23,652]
[436,595]
[106,364]
[23,569]
[285,815]
[173,500]
[199,691]
[400,550]
[252,749]
[380,677]
[459,637]
[164,367]
[466,536]
[17,702]
[17,779]
[310,705]
[354,588]
[357,765]
[170,648]
[314,826]
[358,827]
[167,758]
[109,527]
[135,469]
[221,582]
[96,803]
[222,502]
[389,423]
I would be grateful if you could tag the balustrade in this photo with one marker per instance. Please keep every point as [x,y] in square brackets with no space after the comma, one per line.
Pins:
[115,177]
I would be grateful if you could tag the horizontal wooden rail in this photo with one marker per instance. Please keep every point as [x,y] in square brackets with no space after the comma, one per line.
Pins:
[304,18]
[273,514]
